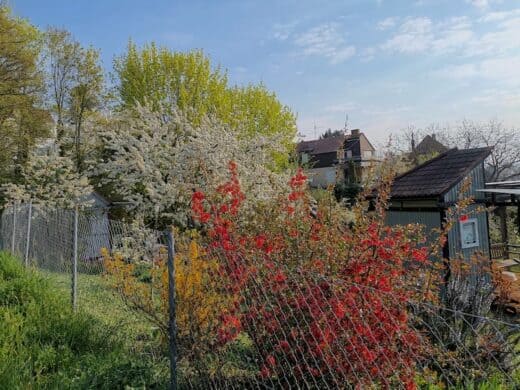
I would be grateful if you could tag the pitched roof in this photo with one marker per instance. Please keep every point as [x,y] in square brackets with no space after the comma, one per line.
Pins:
[318,146]
[430,145]
[438,175]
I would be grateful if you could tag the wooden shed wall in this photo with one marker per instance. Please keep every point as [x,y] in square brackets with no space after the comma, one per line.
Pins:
[430,219]
[477,182]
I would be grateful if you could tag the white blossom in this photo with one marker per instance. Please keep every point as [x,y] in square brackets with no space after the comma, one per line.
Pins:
[50,181]
[155,165]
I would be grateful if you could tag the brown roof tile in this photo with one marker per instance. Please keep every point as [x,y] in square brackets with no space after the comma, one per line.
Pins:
[318,146]
[436,176]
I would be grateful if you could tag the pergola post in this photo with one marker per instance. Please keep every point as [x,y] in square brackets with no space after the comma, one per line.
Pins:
[501,211]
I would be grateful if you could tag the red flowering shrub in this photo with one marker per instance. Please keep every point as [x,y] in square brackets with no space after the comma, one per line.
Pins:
[322,302]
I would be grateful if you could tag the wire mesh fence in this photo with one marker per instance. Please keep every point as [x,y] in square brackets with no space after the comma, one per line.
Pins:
[239,324]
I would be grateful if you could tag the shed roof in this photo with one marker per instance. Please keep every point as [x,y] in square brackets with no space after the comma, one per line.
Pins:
[436,176]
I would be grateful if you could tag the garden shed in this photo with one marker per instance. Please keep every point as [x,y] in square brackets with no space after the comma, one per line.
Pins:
[426,193]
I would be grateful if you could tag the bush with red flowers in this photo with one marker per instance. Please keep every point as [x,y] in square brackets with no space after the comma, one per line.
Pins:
[322,301]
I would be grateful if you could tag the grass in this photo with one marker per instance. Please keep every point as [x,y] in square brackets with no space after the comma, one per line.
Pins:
[44,345]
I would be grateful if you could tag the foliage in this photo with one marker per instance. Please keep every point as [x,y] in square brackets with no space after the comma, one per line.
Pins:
[44,345]
[154,165]
[85,96]
[347,191]
[51,181]
[61,57]
[144,288]
[167,81]
[332,133]
[23,121]
[318,299]
[75,86]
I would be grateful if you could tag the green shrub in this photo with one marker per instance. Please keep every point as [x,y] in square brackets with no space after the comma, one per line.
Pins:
[43,344]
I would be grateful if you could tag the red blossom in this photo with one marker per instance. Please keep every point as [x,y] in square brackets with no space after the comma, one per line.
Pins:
[351,321]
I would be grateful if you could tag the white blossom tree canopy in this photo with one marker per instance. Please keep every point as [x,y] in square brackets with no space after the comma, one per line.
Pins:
[50,181]
[155,165]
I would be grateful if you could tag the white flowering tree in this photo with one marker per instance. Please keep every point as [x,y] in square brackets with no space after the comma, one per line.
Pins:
[50,181]
[156,164]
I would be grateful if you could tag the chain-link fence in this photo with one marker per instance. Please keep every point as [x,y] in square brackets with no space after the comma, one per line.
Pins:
[234,324]
[69,244]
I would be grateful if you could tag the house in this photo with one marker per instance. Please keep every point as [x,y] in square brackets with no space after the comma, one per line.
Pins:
[426,149]
[333,159]
[426,193]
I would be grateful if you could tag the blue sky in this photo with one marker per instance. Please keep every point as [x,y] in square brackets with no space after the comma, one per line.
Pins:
[387,63]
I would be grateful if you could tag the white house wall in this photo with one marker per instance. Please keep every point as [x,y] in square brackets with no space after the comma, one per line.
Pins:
[322,177]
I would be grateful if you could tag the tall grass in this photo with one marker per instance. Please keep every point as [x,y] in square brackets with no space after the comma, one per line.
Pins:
[43,344]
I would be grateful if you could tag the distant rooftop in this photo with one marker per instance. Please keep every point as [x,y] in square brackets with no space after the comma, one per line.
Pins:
[436,176]
[429,145]
[329,144]
[318,146]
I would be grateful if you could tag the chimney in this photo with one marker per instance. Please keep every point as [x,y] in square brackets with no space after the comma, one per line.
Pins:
[355,132]
[433,136]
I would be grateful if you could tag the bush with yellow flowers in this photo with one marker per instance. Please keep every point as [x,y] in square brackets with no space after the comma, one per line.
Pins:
[143,286]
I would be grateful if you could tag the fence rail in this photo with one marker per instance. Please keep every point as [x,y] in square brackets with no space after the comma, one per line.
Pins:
[504,251]
[300,331]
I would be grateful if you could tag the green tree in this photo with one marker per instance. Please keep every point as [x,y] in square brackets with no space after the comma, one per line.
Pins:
[75,88]
[166,80]
[62,54]
[23,121]
[85,96]
[332,133]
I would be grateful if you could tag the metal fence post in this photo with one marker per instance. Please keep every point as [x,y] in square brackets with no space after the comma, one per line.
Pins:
[74,286]
[28,238]
[13,236]
[172,326]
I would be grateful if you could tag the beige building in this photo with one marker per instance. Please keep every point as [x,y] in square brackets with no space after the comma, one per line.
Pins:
[333,159]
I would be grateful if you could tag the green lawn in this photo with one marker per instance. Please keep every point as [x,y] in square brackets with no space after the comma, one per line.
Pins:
[44,345]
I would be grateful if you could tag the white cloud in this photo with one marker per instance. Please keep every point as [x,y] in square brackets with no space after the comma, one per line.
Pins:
[503,70]
[414,36]
[498,97]
[417,35]
[326,41]
[499,15]
[480,4]
[460,34]
[282,32]
[504,38]
[387,23]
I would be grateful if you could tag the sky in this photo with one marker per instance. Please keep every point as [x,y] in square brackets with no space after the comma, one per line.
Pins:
[387,64]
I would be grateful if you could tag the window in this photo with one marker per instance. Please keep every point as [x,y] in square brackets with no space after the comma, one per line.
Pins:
[469,233]
[305,158]
[349,153]
[367,154]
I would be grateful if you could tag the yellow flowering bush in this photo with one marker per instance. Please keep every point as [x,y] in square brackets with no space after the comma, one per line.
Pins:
[143,286]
